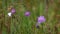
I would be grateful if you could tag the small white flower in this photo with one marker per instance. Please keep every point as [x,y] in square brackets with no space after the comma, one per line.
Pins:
[9,14]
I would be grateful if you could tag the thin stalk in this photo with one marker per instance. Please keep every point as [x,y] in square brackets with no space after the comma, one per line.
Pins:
[45,12]
[4,2]
[46,8]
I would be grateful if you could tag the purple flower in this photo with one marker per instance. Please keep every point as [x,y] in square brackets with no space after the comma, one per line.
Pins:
[41,19]
[27,13]
[13,11]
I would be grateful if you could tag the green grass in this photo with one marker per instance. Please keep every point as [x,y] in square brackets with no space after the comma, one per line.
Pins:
[20,24]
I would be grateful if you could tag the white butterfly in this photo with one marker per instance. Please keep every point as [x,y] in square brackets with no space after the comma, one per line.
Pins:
[9,14]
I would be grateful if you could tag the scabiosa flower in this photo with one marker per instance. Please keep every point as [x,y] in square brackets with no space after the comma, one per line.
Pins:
[27,13]
[40,20]
[13,11]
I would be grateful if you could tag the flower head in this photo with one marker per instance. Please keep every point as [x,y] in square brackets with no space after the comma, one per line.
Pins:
[13,11]
[27,13]
[41,19]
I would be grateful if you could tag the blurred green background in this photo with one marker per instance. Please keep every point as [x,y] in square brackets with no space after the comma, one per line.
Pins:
[20,24]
